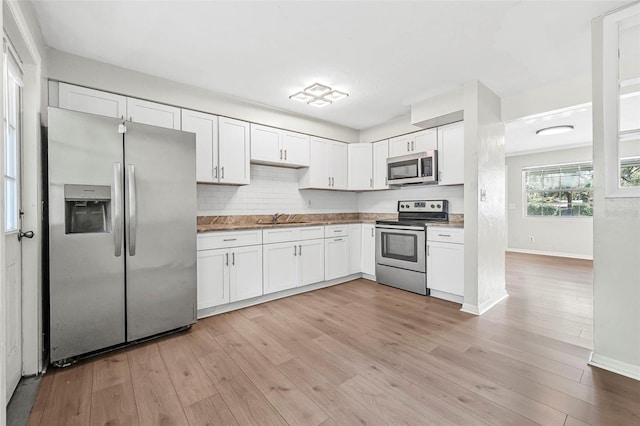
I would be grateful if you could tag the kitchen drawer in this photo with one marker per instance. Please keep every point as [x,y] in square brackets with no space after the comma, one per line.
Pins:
[331,231]
[226,239]
[445,235]
[281,235]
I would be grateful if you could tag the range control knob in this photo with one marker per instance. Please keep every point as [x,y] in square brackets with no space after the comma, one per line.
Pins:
[438,206]
[432,206]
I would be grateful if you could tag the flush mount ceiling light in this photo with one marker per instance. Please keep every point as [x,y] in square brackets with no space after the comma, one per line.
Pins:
[302,97]
[319,102]
[555,130]
[318,95]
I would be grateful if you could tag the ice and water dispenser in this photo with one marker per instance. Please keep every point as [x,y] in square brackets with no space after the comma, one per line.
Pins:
[87,209]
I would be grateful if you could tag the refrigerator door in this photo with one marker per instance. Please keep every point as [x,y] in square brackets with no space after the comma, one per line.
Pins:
[87,288]
[160,224]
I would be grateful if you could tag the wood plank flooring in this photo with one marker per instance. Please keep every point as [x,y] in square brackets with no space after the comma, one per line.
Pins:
[363,353]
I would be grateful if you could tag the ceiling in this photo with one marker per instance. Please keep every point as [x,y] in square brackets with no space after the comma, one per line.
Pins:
[386,55]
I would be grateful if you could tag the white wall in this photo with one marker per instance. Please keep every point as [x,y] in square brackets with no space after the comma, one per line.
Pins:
[272,190]
[387,201]
[561,236]
[484,219]
[616,260]
[74,69]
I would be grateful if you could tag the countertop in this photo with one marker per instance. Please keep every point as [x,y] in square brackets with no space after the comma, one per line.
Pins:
[247,222]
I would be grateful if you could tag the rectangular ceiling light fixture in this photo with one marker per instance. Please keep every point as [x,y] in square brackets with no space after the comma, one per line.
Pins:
[318,95]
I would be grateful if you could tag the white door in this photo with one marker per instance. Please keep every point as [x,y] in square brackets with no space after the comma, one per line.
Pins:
[368,249]
[380,155]
[233,151]
[280,263]
[355,248]
[265,144]
[445,267]
[400,145]
[338,165]
[153,114]
[319,163]
[310,262]
[245,273]
[451,154]
[205,126]
[336,259]
[213,278]
[426,140]
[360,166]
[12,206]
[296,148]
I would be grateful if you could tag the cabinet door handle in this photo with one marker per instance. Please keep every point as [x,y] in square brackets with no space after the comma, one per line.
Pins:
[329,181]
[427,249]
[215,172]
[300,250]
[386,180]
[130,118]
[444,235]
[413,146]
[229,239]
[333,181]
[370,182]
[281,154]
[233,259]
[439,174]
[227,263]
[338,239]
[222,173]
[408,149]
[285,154]
[372,234]
[295,253]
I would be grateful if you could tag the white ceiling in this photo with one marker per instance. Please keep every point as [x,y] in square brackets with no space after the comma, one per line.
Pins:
[387,55]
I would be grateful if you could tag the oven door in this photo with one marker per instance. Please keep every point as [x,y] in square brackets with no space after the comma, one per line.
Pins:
[400,247]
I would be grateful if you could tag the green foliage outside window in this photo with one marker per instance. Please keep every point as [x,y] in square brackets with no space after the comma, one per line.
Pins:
[630,172]
[560,190]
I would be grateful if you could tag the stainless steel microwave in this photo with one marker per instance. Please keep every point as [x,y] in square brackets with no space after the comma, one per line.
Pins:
[421,167]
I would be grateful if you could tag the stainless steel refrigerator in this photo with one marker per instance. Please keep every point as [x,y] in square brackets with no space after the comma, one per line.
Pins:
[122,229]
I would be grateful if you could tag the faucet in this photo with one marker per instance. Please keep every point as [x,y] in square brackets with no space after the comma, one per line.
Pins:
[276,216]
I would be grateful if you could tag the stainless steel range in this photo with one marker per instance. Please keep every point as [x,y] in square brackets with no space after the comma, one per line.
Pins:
[401,244]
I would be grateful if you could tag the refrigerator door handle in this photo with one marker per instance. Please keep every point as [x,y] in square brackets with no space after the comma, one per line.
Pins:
[117,208]
[131,180]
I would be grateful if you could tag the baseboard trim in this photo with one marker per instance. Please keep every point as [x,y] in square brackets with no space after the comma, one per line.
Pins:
[215,310]
[551,253]
[615,366]
[486,306]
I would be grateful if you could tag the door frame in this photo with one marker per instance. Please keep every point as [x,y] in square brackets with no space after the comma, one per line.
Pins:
[18,22]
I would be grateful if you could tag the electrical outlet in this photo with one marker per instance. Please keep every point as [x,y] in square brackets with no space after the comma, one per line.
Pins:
[531,239]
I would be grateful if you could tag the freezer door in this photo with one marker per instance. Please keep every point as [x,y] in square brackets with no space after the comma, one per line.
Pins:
[86,263]
[160,214]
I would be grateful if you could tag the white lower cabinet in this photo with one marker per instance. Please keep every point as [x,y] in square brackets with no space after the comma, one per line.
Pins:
[229,275]
[336,255]
[445,263]
[355,248]
[369,249]
[292,264]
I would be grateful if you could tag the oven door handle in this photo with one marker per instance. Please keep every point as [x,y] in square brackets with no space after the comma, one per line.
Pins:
[401,227]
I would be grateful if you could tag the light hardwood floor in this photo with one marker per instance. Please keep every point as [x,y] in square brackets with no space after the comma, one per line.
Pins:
[363,353]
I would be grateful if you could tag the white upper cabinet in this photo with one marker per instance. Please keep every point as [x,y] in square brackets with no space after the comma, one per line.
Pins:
[451,154]
[360,168]
[233,151]
[424,140]
[338,165]
[380,155]
[327,165]
[152,113]
[278,147]
[222,148]
[205,126]
[91,101]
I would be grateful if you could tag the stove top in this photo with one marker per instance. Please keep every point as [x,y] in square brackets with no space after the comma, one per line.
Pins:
[419,213]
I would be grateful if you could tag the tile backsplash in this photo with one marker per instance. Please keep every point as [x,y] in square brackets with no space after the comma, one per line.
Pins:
[272,189]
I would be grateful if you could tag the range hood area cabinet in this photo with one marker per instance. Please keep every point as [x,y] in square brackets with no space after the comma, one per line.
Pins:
[278,147]
[222,148]
[328,167]
[424,140]
[451,154]
[368,166]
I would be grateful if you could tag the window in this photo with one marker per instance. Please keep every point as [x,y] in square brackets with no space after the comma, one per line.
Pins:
[12,92]
[562,190]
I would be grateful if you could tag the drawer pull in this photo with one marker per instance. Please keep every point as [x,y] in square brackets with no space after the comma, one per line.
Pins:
[337,230]
[229,239]
[444,235]
[338,239]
